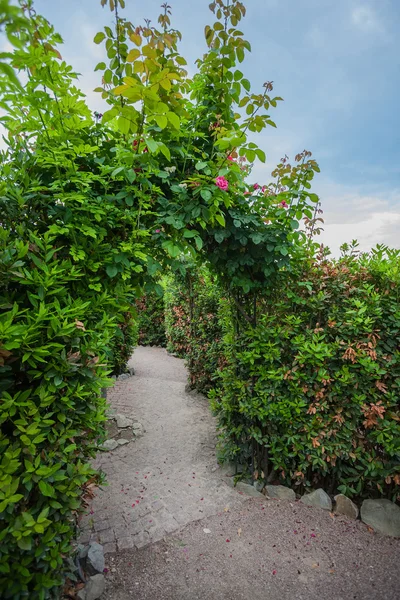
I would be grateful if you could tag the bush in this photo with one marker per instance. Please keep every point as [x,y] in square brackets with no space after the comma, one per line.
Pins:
[205,356]
[151,320]
[311,394]
[193,327]
[178,316]
[51,414]
[123,342]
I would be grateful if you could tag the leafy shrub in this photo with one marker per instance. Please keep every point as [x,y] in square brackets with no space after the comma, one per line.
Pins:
[193,327]
[51,413]
[311,394]
[91,209]
[178,316]
[205,356]
[151,320]
[124,340]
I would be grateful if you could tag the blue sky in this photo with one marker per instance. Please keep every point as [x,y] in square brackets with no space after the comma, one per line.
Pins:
[336,63]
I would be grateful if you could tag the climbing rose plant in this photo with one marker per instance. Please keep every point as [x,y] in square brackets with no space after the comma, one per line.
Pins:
[93,207]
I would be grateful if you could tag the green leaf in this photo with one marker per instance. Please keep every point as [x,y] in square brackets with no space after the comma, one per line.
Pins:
[261,155]
[250,155]
[199,243]
[221,219]
[101,66]
[124,125]
[161,121]
[165,151]
[152,145]
[46,488]
[99,37]
[189,233]
[206,194]
[16,498]
[111,270]
[200,165]
[240,54]
[130,175]
[25,543]
[174,120]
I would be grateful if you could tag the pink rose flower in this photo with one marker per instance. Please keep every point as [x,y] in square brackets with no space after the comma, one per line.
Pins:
[222,183]
[284,205]
[256,186]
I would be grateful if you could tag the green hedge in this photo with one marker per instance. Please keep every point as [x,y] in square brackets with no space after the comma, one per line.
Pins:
[177,315]
[193,325]
[310,395]
[151,320]
[51,413]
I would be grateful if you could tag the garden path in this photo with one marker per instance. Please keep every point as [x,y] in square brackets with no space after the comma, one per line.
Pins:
[172,529]
[168,477]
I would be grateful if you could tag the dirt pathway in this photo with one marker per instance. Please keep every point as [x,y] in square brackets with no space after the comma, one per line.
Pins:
[174,530]
[167,478]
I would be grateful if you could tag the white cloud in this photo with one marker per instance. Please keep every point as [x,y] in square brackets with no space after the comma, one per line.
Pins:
[366,19]
[378,228]
[370,217]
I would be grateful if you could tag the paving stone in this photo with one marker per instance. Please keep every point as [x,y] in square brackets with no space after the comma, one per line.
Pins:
[110,445]
[141,539]
[84,536]
[122,442]
[168,469]
[244,488]
[109,547]
[125,543]
[102,525]
[106,536]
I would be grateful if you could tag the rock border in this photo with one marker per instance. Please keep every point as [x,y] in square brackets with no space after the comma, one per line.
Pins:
[123,423]
[382,515]
[91,568]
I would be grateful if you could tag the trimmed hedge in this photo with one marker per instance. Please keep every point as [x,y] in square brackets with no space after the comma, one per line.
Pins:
[310,395]
[51,413]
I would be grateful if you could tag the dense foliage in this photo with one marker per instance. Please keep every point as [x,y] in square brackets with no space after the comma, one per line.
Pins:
[92,209]
[308,394]
[193,327]
[151,320]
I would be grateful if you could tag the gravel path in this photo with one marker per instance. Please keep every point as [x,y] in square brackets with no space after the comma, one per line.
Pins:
[174,530]
[168,477]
